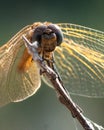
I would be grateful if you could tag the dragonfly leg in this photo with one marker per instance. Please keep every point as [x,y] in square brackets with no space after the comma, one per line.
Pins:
[42,71]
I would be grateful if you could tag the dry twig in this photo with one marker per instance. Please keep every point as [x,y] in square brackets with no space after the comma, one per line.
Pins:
[63,94]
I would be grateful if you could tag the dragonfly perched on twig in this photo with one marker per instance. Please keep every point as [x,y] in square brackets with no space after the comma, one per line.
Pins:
[75,52]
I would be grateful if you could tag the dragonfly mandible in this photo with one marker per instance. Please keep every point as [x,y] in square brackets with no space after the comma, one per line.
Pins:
[76,51]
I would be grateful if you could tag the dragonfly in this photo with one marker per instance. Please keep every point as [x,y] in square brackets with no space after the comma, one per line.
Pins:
[75,52]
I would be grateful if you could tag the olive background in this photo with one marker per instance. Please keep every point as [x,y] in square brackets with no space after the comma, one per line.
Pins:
[43,111]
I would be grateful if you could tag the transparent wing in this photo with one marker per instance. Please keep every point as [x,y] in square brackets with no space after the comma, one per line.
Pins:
[80,60]
[14,85]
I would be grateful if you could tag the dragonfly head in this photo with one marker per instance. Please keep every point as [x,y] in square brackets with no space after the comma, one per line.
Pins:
[48,36]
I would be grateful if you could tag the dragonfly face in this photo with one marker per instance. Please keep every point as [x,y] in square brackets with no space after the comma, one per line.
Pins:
[78,55]
[48,37]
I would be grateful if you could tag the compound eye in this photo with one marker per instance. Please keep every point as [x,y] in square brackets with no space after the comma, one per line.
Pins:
[38,33]
[58,33]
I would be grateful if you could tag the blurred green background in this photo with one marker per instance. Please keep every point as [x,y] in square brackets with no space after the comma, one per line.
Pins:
[43,111]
